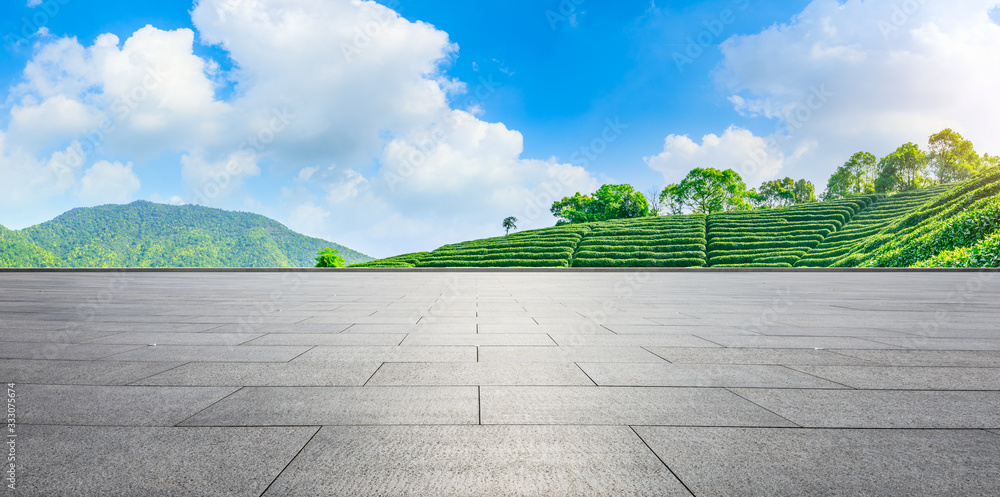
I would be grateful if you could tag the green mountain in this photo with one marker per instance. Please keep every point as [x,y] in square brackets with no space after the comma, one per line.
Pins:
[144,234]
[953,225]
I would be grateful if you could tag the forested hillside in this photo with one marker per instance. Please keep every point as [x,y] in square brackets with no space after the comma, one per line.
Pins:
[951,225]
[144,234]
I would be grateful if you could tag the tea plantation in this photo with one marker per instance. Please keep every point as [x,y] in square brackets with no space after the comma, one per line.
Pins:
[953,225]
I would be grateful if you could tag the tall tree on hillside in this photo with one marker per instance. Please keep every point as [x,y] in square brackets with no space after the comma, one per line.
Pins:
[952,157]
[902,170]
[655,206]
[803,192]
[856,176]
[509,223]
[608,202]
[708,191]
[776,193]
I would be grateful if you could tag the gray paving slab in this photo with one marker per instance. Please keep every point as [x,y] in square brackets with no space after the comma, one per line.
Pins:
[312,339]
[787,342]
[587,327]
[881,408]
[60,351]
[702,375]
[792,462]
[720,355]
[211,353]
[261,374]
[476,460]
[478,339]
[79,372]
[159,338]
[411,328]
[566,354]
[61,336]
[955,358]
[908,378]
[607,340]
[388,360]
[280,328]
[921,343]
[390,354]
[621,406]
[480,373]
[113,405]
[312,406]
[128,461]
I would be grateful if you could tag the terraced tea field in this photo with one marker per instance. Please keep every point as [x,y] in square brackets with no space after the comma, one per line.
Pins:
[945,225]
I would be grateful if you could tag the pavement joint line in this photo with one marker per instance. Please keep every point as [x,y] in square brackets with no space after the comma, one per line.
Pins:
[585,373]
[789,367]
[134,383]
[291,460]
[373,374]
[715,343]
[664,463]
[646,348]
[764,408]
[296,357]
[208,406]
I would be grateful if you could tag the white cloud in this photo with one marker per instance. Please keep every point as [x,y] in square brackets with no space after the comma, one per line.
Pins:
[869,75]
[755,158]
[212,180]
[107,183]
[334,96]
[34,3]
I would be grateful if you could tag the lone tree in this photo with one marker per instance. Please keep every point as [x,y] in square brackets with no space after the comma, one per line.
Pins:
[329,257]
[708,191]
[510,224]
[952,157]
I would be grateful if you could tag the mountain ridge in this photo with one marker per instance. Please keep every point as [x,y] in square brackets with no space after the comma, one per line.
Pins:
[147,234]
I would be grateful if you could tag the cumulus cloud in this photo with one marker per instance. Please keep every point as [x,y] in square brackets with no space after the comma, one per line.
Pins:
[106,183]
[344,100]
[869,75]
[754,157]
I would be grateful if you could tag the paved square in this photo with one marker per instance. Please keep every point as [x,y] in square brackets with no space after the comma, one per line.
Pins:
[503,383]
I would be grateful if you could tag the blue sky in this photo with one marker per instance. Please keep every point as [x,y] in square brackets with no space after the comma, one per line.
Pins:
[393,134]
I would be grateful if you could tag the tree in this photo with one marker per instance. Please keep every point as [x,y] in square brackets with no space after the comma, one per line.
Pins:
[672,199]
[991,161]
[952,157]
[510,223]
[776,193]
[856,176]
[608,202]
[329,257]
[902,170]
[656,207]
[803,192]
[707,191]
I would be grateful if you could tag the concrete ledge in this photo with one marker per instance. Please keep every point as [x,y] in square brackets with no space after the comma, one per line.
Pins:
[507,270]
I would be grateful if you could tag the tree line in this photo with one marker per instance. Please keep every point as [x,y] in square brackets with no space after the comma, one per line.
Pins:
[949,158]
